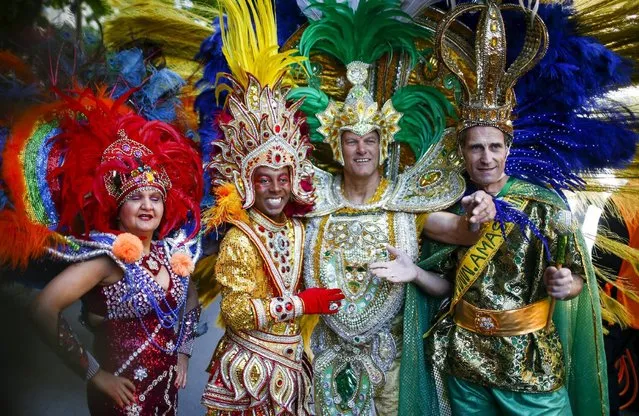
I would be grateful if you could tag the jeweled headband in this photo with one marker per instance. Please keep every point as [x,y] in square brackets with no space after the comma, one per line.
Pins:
[121,185]
[360,114]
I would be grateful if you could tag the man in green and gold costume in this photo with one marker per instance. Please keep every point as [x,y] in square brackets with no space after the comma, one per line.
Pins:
[497,342]
[362,219]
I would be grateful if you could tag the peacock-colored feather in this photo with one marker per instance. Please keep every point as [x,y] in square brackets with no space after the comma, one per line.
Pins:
[424,113]
[375,28]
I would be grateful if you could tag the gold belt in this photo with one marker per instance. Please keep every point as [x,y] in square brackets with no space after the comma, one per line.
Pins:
[508,323]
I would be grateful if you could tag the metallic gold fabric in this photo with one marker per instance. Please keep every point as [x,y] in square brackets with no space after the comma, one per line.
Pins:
[257,367]
[526,363]
[510,322]
[240,270]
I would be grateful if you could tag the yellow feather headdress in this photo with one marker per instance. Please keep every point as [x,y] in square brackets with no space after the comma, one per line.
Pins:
[250,46]
[263,129]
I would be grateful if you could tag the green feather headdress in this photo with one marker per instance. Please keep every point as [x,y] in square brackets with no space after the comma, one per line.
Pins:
[415,115]
[376,28]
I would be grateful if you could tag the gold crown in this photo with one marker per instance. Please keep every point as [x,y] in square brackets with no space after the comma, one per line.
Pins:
[263,131]
[488,97]
[360,114]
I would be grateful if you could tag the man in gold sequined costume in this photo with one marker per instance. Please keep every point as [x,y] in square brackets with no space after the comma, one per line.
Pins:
[496,341]
[261,168]
[361,219]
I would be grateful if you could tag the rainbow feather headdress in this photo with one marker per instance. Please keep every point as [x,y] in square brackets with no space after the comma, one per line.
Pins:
[69,165]
[259,127]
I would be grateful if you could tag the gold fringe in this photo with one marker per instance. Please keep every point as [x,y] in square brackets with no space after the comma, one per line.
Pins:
[250,46]
[613,23]
[178,32]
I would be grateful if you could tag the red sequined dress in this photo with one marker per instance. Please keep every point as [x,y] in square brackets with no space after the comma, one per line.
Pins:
[127,343]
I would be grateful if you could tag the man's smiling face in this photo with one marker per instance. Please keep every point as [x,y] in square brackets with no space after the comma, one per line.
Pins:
[361,154]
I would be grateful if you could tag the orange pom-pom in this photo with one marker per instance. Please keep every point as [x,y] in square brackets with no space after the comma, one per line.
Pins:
[182,264]
[128,248]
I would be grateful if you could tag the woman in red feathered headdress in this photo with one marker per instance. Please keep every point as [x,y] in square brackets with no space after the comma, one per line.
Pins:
[122,185]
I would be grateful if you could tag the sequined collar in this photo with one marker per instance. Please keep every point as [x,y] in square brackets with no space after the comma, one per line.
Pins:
[280,245]
[375,201]
[264,221]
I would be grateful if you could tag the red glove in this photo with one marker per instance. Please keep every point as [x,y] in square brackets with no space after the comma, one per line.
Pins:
[317,300]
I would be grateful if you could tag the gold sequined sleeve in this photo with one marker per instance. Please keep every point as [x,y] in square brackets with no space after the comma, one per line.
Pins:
[239,271]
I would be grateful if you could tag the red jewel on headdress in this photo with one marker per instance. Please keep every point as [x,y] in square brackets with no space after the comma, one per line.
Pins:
[277,128]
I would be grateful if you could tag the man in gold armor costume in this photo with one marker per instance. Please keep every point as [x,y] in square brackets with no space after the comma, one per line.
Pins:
[361,219]
[496,341]
[261,168]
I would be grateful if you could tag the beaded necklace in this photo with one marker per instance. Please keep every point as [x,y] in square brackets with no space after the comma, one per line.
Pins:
[140,279]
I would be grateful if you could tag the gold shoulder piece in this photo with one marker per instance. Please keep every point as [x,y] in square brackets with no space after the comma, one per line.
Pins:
[325,187]
[434,183]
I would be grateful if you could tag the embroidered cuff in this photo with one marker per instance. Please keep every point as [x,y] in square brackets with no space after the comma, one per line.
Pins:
[261,319]
[282,309]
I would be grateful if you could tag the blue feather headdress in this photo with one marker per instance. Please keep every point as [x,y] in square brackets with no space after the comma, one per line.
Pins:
[563,125]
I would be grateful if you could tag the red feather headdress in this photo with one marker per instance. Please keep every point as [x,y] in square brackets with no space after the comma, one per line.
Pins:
[108,152]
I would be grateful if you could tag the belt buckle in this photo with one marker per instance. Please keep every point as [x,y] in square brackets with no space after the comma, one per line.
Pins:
[485,323]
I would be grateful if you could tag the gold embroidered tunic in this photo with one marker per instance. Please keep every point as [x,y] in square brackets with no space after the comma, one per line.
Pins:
[512,279]
[257,367]
[357,351]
